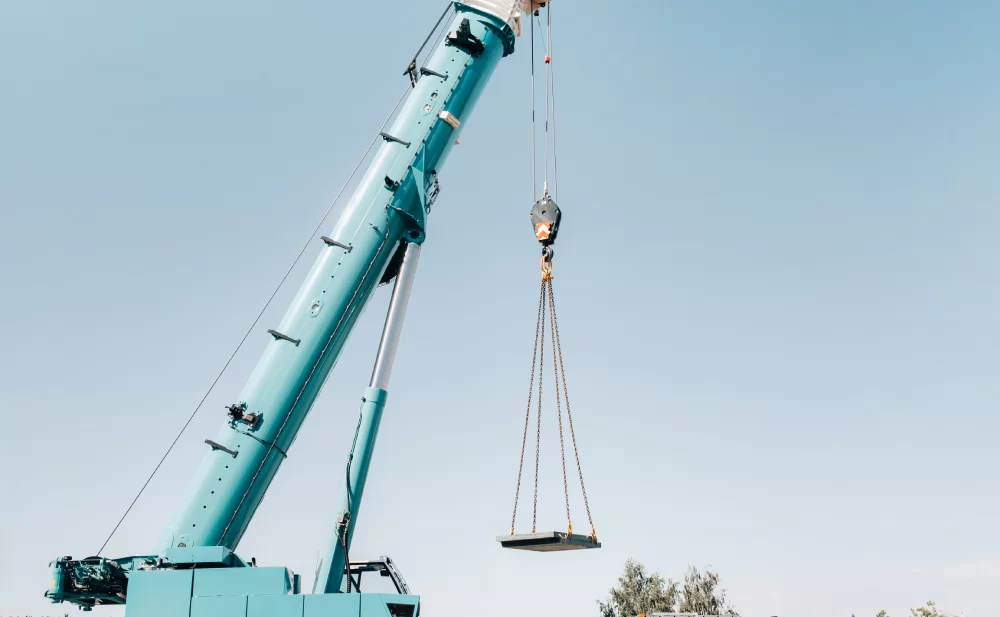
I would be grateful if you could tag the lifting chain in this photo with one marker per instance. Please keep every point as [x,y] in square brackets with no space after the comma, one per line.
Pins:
[545,220]
[527,413]
[546,303]
[569,413]
[538,430]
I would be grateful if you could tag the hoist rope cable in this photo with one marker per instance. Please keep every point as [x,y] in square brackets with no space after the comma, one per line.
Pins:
[550,101]
[256,320]
[552,88]
[548,73]
[534,138]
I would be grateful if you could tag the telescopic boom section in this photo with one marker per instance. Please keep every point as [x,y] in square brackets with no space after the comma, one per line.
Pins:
[388,208]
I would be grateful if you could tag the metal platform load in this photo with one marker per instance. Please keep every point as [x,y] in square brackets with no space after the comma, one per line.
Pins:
[548,541]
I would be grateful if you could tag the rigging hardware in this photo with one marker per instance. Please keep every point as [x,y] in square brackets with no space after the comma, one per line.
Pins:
[554,540]
[545,219]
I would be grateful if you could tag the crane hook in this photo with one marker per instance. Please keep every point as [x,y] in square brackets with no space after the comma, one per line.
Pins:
[546,263]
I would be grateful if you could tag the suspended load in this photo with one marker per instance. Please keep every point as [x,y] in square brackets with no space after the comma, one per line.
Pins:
[545,219]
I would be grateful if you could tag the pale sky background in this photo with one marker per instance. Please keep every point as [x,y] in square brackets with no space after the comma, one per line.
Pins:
[777,283]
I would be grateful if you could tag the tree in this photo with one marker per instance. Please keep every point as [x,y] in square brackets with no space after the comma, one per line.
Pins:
[638,592]
[930,610]
[701,594]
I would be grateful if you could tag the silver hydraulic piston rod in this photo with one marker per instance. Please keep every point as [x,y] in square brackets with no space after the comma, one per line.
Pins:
[330,577]
[394,318]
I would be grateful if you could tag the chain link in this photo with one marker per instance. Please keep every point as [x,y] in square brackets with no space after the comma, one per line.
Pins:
[547,302]
[555,371]
[569,413]
[538,432]
[527,413]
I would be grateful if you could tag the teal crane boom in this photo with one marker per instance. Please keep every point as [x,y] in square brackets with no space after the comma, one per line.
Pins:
[192,570]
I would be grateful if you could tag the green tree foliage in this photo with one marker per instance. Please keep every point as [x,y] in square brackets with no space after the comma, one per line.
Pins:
[701,594]
[930,610]
[639,592]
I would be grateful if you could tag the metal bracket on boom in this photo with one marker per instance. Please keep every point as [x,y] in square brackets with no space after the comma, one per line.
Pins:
[427,71]
[464,39]
[278,335]
[332,242]
[389,137]
[218,446]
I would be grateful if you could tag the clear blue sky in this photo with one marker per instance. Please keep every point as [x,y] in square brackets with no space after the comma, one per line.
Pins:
[777,282]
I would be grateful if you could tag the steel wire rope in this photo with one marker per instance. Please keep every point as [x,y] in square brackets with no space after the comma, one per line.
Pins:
[550,99]
[534,137]
[552,88]
[253,325]
[548,72]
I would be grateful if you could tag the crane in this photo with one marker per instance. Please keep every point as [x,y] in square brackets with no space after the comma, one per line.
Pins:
[192,570]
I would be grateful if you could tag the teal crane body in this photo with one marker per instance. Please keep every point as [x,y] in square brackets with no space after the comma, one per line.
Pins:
[227,490]
[192,569]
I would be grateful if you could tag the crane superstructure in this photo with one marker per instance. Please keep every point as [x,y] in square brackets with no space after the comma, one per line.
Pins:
[192,570]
